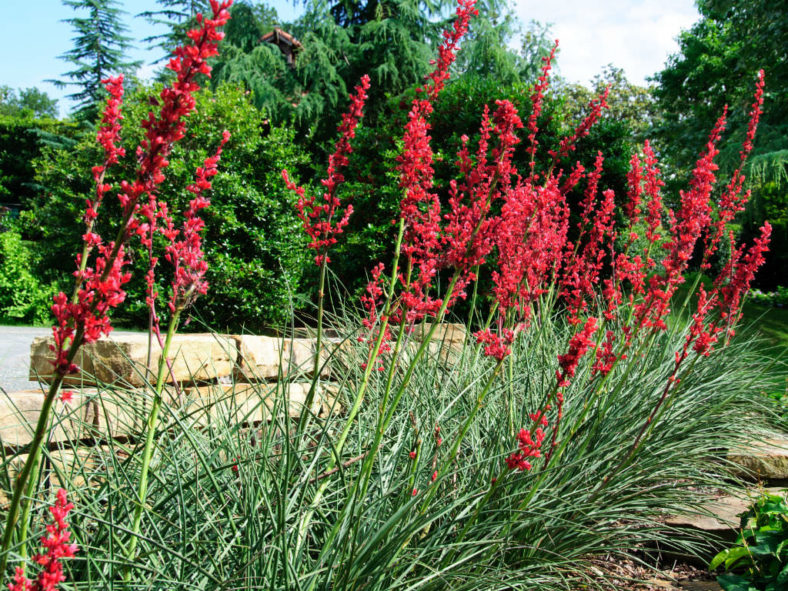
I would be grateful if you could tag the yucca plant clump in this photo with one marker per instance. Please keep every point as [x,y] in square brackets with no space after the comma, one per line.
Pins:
[588,403]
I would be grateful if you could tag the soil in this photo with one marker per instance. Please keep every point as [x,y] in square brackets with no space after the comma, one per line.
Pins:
[629,575]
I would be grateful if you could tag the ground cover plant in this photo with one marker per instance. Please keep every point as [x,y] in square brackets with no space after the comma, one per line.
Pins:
[585,401]
[759,558]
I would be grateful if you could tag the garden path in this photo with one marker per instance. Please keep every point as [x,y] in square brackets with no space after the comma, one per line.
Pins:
[15,355]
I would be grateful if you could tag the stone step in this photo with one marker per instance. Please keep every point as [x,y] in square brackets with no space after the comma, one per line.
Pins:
[122,359]
[97,414]
[721,515]
[272,358]
[766,460]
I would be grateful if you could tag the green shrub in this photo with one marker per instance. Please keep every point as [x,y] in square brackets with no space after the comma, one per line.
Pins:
[23,298]
[21,141]
[759,560]
[253,243]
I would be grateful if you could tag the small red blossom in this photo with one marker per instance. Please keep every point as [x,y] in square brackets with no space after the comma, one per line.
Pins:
[497,346]
[56,547]
[605,357]
[530,443]
[66,396]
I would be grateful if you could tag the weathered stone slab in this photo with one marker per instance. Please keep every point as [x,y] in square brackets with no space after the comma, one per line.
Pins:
[452,333]
[273,358]
[121,359]
[96,414]
[724,514]
[447,341]
[90,414]
[253,403]
[310,332]
[767,460]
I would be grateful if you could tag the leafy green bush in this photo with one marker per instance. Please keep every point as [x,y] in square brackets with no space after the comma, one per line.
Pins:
[778,297]
[760,556]
[23,298]
[21,141]
[253,243]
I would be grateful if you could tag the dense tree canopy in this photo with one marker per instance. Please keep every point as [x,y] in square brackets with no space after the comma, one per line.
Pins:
[28,102]
[717,64]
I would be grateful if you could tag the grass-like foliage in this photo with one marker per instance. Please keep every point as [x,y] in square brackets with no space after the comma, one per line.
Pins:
[588,396]
[227,497]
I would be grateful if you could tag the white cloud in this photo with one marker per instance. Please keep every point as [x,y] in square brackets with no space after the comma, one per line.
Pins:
[636,35]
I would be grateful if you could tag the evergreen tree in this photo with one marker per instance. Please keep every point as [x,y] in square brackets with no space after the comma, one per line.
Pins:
[178,16]
[486,50]
[99,50]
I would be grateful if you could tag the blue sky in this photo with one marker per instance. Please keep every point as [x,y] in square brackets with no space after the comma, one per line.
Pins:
[637,35]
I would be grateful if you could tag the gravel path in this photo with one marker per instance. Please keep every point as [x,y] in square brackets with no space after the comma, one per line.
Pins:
[15,355]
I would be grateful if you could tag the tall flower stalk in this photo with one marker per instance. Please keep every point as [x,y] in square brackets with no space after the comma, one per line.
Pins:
[84,318]
[185,254]
[324,220]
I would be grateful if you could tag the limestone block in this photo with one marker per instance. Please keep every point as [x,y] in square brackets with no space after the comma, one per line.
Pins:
[90,414]
[121,359]
[447,341]
[768,460]
[452,333]
[260,358]
[253,403]
[721,514]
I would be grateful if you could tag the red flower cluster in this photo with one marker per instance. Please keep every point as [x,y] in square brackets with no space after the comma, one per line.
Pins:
[605,357]
[579,344]
[319,219]
[497,346]
[84,318]
[468,234]
[420,207]
[595,107]
[735,278]
[530,443]
[57,547]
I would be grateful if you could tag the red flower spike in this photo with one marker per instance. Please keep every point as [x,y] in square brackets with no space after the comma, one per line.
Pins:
[687,226]
[100,287]
[320,218]
[56,547]
[732,201]
[595,107]
[579,344]
[186,253]
[537,97]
